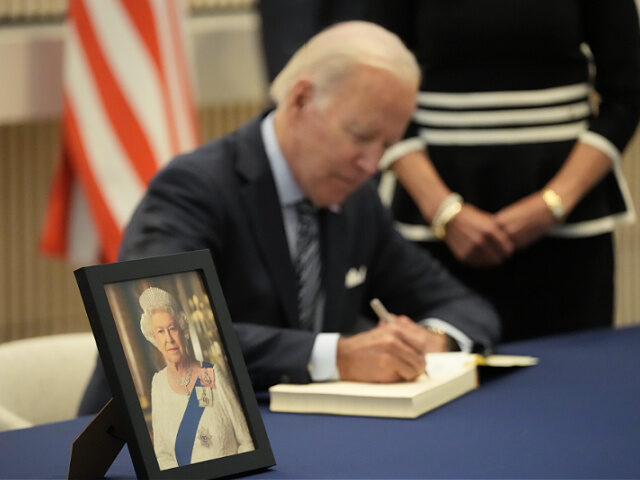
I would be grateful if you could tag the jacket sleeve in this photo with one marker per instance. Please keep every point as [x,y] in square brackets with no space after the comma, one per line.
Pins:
[612,33]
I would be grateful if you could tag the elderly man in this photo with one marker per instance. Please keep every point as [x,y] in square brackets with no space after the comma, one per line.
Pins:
[300,241]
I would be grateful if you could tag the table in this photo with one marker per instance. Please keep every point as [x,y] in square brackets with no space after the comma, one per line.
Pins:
[575,415]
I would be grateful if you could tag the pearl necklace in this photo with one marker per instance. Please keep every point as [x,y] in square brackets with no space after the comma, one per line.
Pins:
[184,381]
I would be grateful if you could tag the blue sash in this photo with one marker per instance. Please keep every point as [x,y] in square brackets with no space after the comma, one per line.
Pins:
[186,436]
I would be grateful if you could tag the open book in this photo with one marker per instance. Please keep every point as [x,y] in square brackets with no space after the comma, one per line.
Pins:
[449,375]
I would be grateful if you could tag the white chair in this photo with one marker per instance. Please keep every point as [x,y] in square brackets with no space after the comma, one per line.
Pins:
[42,379]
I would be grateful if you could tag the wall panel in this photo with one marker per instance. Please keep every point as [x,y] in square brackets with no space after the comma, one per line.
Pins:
[628,245]
[37,295]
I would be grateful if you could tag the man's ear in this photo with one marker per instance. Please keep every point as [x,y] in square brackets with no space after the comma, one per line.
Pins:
[301,95]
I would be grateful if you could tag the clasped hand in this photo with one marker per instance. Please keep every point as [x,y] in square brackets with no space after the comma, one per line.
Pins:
[479,238]
[391,352]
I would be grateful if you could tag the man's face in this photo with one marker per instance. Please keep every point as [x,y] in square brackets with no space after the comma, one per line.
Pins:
[166,333]
[339,144]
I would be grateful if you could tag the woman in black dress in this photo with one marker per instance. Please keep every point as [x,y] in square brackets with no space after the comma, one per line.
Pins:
[509,174]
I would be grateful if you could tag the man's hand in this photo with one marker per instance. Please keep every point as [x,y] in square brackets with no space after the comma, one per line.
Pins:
[391,352]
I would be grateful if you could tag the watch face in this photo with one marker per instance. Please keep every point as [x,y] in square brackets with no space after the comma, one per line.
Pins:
[554,203]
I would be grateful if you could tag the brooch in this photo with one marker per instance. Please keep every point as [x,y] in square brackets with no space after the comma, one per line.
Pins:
[205,396]
[204,437]
[208,377]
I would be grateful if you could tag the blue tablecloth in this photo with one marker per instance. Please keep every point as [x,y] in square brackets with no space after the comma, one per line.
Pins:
[575,415]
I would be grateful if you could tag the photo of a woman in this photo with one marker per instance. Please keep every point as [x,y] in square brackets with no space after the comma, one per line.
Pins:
[195,413]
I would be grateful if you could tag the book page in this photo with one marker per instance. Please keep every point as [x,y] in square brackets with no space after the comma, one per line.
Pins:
[445,369]
[447,364]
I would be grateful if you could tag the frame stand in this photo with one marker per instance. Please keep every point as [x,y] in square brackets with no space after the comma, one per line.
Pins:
[95,449]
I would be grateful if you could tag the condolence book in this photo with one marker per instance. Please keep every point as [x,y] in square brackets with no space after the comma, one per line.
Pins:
[449,375]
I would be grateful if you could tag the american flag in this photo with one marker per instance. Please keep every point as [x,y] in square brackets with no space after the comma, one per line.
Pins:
[128,108]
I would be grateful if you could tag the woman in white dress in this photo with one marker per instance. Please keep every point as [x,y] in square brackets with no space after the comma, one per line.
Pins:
[194,412]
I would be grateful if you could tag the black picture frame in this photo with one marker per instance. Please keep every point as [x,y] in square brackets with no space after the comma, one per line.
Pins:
[104,293]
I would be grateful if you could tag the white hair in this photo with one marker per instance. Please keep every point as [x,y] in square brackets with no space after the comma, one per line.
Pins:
[331,55]
[153,300]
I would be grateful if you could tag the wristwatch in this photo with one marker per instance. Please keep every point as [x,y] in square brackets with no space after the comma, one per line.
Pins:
[452,345]
[554,203]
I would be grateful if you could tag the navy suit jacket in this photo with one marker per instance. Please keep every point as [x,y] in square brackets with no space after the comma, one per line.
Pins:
[222,196]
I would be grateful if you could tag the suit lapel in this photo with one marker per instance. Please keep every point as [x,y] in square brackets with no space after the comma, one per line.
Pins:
[334,260]
[261,203]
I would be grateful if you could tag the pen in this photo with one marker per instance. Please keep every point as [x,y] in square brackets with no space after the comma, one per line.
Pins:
[380,310]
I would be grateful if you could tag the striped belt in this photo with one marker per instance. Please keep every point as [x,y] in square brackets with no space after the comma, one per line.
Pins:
[524,116]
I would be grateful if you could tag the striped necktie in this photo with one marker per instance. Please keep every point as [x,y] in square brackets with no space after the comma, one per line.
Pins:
[307,263]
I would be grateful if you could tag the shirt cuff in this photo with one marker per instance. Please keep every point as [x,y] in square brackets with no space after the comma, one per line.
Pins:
[464,342]
[323,364]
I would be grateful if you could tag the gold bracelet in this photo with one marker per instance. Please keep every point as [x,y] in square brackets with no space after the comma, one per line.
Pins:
[448,209]
[554,203]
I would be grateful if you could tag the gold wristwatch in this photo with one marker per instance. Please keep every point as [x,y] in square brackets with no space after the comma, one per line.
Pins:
[554,203]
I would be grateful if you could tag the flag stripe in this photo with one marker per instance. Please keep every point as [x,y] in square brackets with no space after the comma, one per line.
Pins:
[120,185]
[54,233]
[134,72]
[82,237]
[169,69]
[170,46]
[190,135]
[142,15]
[117,107]
[110,233]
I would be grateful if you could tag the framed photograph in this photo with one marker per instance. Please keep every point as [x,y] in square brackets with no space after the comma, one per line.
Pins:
[175,368]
